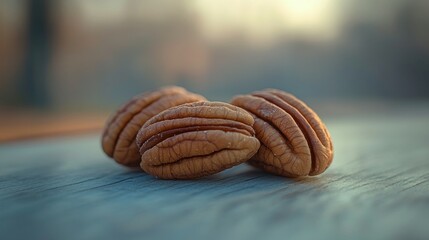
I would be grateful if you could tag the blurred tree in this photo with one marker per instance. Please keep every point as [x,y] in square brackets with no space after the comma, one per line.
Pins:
[34,82]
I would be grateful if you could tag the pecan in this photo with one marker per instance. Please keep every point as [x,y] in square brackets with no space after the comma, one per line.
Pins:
[118,139]
[196,139]
[294,141]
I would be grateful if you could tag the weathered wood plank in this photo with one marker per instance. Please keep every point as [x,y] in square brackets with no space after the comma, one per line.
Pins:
[377,188]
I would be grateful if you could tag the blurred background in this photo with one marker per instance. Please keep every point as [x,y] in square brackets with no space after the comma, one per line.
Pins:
[66,64]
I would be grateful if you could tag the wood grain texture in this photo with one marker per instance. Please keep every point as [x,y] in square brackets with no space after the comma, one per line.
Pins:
[376,188]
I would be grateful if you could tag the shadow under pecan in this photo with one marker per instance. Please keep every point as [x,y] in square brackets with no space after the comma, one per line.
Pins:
[294,141]
[196,139]
[118,139]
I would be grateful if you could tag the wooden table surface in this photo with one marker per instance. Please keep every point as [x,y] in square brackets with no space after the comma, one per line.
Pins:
[377,188]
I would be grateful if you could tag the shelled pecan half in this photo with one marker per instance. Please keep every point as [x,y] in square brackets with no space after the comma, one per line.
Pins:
[196,139]
[118,139]
[294,141]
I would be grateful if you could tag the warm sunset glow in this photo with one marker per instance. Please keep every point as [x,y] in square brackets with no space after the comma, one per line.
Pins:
[264,21]
[257,21]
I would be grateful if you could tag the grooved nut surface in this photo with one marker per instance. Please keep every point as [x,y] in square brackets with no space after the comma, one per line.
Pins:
[118,139]
[196,139]
[294,141]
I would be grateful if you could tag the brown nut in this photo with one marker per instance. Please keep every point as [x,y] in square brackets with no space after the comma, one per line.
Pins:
[118,139]
[294,141]
[196,139]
